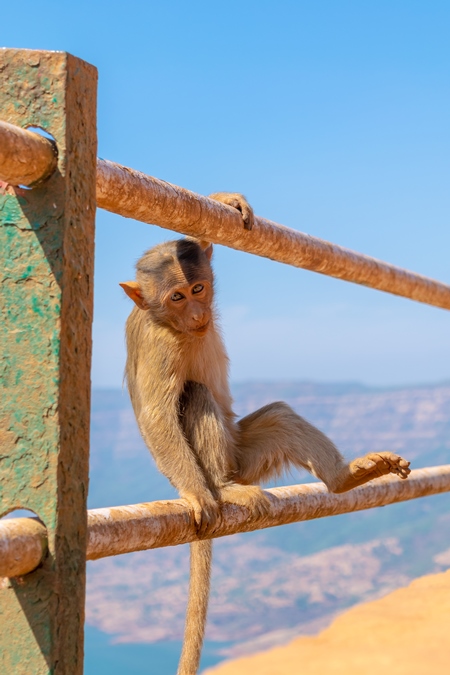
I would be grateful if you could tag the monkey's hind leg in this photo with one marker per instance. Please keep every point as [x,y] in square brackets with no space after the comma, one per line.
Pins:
[213,439]
[275,437]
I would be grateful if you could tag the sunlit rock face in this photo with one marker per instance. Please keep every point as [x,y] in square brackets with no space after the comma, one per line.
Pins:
[404,633]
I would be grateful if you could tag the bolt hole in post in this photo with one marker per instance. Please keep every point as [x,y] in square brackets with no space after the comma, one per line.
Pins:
[19,513]
[41,132]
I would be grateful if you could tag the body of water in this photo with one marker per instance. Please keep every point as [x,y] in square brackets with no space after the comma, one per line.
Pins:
[104,658]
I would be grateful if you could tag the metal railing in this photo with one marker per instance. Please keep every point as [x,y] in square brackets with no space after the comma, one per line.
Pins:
[133,194]
[47,314]
[138,527]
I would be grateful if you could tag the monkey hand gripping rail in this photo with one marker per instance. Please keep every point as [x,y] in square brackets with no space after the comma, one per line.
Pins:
[47,241]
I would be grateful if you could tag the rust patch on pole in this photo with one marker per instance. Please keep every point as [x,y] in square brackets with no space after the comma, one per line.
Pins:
[138,527]
[46,262]
[135,195]
[26,158]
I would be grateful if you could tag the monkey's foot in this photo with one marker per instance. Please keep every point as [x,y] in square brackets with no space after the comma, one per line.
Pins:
[373,465]
[206,511]
[250,496]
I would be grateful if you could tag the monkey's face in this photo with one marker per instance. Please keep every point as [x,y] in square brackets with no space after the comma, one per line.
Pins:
[175,286]
[187,308]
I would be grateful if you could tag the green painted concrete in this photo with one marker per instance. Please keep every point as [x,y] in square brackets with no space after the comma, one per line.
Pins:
[46,275]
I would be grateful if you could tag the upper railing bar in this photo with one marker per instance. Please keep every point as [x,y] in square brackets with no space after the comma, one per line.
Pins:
[133,194]
[123,529]
[26,158]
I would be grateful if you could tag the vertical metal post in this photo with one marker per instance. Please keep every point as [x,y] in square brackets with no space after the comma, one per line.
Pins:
[46,287]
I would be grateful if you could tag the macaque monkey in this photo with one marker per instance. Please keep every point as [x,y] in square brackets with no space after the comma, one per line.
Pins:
[177,376]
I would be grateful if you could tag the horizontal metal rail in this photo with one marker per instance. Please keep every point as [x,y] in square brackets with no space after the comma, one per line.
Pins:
[26,158]
[133,194]
[138,527]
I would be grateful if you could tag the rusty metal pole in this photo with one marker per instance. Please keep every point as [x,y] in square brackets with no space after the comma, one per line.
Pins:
[122,529]
[133,194]
[137,527]
[23,546]
[46,261]
[26,158]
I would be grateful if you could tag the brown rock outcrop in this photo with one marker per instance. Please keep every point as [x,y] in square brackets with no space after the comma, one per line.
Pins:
[405,633]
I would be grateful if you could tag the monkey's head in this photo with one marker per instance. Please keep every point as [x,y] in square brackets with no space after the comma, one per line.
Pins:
[174,283]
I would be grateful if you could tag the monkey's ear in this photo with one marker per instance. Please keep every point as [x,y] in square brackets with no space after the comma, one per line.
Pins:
[207,248]
[133,290]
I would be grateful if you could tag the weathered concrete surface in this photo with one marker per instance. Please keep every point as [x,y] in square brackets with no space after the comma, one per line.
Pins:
[123,529]
[133,194]
[404,633]
[46,263]
[26,158]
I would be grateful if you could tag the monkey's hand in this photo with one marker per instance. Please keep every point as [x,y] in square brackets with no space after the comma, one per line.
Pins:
[250,496]
[239,202]
[206,509]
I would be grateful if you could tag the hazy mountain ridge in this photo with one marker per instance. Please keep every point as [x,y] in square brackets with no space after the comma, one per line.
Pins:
[256,588]
[359,418]
[268,582]
[413,420]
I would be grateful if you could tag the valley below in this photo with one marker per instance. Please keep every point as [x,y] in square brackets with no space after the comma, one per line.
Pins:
[273,585]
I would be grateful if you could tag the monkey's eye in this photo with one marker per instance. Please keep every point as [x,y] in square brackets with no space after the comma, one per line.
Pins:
[176,297]
[197,288]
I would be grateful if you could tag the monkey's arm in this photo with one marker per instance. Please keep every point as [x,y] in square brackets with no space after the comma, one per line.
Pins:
[237,201]
[160,427]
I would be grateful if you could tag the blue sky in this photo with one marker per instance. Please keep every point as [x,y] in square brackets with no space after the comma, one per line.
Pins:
[332,117]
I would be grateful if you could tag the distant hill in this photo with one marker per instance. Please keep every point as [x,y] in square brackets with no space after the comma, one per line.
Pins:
[414,421]
[276,583]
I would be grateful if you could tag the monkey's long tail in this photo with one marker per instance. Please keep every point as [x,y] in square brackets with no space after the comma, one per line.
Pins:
[197,608]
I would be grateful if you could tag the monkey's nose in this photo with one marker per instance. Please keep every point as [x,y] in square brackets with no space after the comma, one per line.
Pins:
[199,316]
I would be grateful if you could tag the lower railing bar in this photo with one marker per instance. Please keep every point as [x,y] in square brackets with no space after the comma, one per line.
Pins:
[123,529]
[23,545]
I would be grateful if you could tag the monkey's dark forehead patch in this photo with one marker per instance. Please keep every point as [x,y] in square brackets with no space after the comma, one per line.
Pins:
[191,258]
[174,262]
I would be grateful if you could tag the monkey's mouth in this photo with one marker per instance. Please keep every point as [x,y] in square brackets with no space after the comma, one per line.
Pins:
[201,330]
